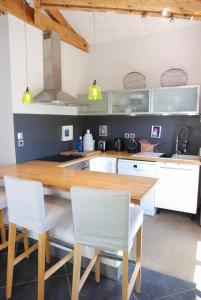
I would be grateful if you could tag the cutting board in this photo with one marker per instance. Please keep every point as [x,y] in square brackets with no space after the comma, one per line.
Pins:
[85,153]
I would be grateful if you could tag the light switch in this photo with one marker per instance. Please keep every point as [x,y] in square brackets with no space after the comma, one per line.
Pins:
[20,135]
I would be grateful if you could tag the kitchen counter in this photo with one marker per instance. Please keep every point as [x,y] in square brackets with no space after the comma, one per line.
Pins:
[64,178]
[179,159]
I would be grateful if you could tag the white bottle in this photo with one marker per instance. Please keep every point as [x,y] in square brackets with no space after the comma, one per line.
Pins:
[88,141]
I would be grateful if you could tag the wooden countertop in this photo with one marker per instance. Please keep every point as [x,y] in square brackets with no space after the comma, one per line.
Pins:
[129,156]
[137,156]
[64,178]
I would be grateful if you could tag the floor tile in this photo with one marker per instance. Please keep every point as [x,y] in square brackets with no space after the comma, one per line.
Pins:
[26,270]
[55,289]
[156,285]
[188,295]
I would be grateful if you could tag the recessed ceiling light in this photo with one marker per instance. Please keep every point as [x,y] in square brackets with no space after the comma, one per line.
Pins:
[164,12]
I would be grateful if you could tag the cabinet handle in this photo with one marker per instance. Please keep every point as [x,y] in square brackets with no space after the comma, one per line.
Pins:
[172,168]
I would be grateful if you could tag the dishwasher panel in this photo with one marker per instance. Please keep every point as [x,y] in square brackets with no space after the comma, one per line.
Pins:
[145,169]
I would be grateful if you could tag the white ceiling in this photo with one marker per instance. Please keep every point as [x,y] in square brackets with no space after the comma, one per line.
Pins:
[113,27]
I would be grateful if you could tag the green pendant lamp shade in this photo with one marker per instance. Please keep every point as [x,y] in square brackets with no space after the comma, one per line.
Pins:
[27,97]
[95,92]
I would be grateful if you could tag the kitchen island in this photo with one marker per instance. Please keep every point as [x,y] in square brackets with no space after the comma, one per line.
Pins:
[54,177]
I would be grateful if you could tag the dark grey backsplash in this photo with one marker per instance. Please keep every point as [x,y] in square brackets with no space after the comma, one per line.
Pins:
[141,126]
[42,133]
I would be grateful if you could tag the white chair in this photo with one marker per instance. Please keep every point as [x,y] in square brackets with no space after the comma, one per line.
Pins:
[105,220]
[3,205]
[30,209]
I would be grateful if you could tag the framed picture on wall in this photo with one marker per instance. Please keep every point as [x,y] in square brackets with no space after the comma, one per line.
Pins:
[67,133]
[156,131]
[102,130]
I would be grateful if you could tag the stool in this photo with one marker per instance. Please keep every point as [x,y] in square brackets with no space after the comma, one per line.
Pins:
[3,205]
[105,220]
[23,235]
[30,209]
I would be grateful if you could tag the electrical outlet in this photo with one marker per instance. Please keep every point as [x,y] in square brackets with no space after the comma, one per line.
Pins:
[20,143]
[132,135]
[126,135]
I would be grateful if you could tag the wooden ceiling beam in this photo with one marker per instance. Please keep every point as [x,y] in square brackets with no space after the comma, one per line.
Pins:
[179,8]
[55,15]
[21,10]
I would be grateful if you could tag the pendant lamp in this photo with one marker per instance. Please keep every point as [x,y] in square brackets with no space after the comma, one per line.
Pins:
[94,90]
[27,97]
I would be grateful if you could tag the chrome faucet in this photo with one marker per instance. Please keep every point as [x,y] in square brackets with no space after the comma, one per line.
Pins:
[182,140]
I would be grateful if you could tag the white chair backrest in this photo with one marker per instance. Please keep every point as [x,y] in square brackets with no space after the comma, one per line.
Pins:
[25,201]
[101,218]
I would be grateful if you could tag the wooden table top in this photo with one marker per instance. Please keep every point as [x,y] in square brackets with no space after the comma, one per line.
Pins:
[64,178]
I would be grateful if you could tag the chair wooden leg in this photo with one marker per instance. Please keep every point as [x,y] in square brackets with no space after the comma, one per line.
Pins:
[26,240]
[139,257]
[47,249]
[3,231]
[41,265]
[97,266]
[125,276]
[10,264]
[76,271]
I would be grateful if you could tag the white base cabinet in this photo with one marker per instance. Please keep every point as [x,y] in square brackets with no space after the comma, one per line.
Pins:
[177,188]
[103,164]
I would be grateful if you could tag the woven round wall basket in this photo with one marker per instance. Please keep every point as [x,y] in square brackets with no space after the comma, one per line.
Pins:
[174,77]
[134,80]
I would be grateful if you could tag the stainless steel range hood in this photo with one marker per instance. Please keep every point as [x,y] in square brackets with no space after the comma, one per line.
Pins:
[52,93]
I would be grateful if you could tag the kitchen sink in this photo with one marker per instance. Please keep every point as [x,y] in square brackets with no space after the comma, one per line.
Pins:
[185,157]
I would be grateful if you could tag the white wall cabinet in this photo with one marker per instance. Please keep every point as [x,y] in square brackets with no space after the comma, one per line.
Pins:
[136,101]
[175,100]
[164,100]
[94,107]
[177,188]
[103,164]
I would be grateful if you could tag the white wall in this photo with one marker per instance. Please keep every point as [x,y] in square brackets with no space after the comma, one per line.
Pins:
[35,69]
[149,54]
[7,142]
[74,69]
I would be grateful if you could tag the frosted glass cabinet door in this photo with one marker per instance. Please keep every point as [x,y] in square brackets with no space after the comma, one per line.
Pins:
[96,106]
[177,99]
[130,101]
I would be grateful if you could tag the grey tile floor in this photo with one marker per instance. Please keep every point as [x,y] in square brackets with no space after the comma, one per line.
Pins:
[155,286]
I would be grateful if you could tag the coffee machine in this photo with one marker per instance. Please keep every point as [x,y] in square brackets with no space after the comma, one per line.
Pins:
[132,146]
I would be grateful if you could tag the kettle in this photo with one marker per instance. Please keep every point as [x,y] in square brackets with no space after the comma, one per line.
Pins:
[118,145]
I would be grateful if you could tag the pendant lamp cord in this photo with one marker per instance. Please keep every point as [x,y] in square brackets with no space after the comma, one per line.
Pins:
[94,28]
[25,33]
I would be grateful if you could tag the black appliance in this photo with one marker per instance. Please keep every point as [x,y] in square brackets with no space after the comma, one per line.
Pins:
[102,145]
[118,145]
[60,157]
[132,146]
